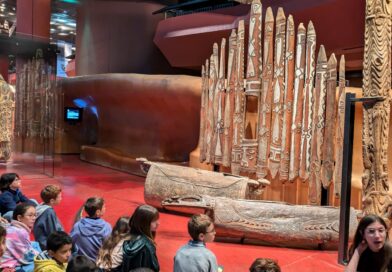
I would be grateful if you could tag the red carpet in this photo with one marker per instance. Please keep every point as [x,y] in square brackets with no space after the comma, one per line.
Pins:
[123,193]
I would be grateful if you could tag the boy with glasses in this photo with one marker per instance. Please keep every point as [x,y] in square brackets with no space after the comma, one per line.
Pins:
[194,256]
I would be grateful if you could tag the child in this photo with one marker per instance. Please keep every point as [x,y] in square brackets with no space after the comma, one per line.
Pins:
[81,264]
[20,251]
[47,221]
[11,195]
[264,265]
[110,256]
[55,258]
[140,251]
[194,256]
[89,233]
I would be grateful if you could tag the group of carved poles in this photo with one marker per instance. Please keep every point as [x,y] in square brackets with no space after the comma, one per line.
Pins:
[285,116]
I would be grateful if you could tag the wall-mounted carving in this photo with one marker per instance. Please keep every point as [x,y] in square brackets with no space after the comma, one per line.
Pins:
[376,82]
[7,106]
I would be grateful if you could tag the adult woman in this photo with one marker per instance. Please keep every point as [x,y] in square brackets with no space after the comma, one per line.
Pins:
[371,250]
[110,255]
[139,250]
[20,250]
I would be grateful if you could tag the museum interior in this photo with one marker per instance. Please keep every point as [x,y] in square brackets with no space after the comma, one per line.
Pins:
[270,116]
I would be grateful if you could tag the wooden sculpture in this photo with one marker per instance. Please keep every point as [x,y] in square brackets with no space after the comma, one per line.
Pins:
[266,222]
[219,105]
[238,115]
[230,99]
[7,106]
[203,108]
[328,153]
[278,95]
[266,96]
[340,128]
[307,115]
[296,126]
[318,128]
[166,180]
[376,82]
[271,120]
[288,99]
[249,133]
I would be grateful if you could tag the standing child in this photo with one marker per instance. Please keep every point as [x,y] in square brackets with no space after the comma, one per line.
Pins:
[89,233]
[194,256]
[55,258]
[11,195]
[47,221]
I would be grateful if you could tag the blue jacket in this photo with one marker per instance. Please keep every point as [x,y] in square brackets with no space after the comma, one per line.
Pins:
[88,235]
[10,198]
[46,223]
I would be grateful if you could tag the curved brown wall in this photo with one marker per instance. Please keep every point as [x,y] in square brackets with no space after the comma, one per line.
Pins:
[153,116]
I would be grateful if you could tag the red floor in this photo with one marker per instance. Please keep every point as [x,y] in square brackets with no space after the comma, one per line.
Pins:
[124,192]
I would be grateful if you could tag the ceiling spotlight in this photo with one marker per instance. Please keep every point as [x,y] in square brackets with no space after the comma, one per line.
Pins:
[62,34]
[11,13]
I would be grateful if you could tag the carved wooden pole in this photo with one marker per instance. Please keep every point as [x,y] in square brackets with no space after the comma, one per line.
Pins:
[288,99]
[299,81]
[307,118]
[266,96]
[204,111]
[215,107]
[218,140]
[229,102]
[210,110]
[278,94]
[340,128]
[318,128]
[252,92]
[239,101]
[376,82]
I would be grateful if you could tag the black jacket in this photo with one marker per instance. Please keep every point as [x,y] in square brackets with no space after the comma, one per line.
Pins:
[139,252]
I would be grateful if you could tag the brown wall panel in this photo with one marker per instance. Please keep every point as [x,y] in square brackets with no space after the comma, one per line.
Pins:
[153,116]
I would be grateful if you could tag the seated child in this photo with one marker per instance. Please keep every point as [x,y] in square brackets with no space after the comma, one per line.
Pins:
[194,256]
[11,195]
[55,258]
[20,251]
[264,265]
[88,233]
[80,263]
[47,221]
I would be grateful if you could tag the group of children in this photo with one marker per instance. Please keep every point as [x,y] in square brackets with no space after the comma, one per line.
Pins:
[92,244]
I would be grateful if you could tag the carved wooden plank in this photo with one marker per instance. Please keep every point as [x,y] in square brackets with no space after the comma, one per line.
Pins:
[296,125]
[278,95]
[266,97]
[203,151]
[219,120]
[204,94]
[238,121]
[340,128]
[215,55]
[7,107]
[376,82]
[249,141]
[330,125]
[307,115]
[288,99]
[318,128]
[229,102]
[210,112]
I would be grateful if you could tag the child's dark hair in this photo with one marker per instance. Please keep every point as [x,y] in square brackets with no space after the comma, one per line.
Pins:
[6,179]
[21,209]
[120,231]
[197,224]
[49,192]
[80,263]
[92,205]
[140,222]
[57,239]
[264,265]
